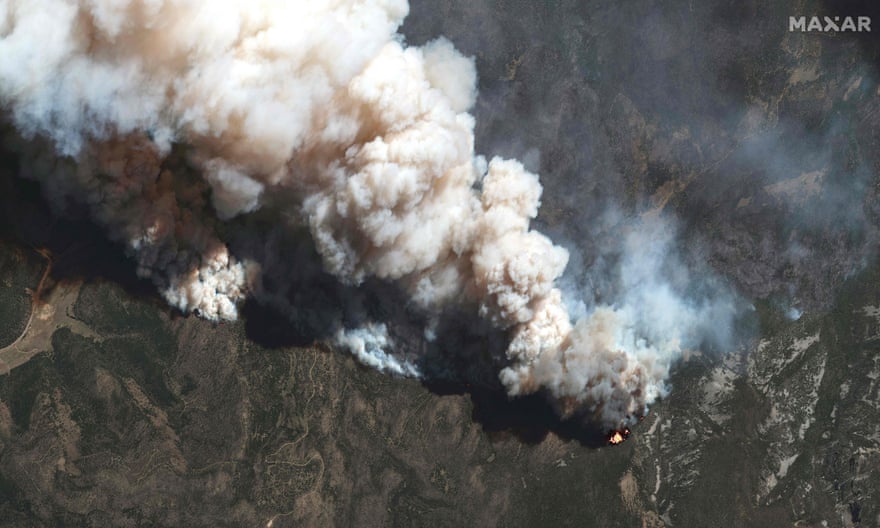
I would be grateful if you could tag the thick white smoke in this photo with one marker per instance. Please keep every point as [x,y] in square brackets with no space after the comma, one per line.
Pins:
[370,345]
[322,102]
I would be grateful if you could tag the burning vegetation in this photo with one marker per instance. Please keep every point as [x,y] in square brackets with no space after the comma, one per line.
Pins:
[618,437]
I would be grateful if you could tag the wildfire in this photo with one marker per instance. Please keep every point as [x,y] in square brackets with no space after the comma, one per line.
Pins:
[618,437]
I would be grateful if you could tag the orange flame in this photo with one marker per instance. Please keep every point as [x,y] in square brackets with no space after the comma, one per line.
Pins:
[618,437]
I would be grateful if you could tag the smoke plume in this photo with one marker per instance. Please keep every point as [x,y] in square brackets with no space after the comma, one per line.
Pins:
[319,113]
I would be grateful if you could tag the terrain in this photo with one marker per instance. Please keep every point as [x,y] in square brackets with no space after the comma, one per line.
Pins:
[762,145]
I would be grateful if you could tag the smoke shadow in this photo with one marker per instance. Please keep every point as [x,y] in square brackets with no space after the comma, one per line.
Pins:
[78,248]
[312,308]
[299,303]
[465,360]
[529,419]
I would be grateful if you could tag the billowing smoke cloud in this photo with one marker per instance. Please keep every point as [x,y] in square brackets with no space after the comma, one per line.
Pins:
[317,111]
[370,345]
